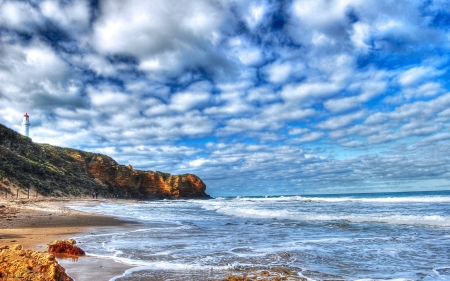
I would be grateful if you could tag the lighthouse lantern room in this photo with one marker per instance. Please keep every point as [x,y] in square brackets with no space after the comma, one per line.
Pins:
[26,125]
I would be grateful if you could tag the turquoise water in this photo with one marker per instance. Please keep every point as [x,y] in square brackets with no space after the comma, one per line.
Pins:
[379,236]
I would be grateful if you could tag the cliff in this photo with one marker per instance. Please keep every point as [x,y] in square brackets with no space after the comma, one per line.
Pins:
[56,171]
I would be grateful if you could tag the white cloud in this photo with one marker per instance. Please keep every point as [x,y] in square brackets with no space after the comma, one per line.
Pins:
[261,95]
[31,64]
[187,100]
[425,90]
[229,108]
[243,125]
[361,36]
[298,131]
[285,112]
[343,104]
[369,91]
[309,90]
[310,137]
[319,14]
[434,139]
[245,51]
[198,162]
[141,29]
[104,100]
[34,76]
[415,75]
[255,15]
[376,118]
[99,64]
[278,72]
[340,121]
[19,15]
[445,113]
[234,86]
[250,56]
[75,14]
[231,103]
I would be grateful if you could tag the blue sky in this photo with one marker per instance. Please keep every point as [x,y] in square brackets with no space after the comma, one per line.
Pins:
[255,97]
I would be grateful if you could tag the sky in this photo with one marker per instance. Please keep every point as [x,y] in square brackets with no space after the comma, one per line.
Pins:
[254,97]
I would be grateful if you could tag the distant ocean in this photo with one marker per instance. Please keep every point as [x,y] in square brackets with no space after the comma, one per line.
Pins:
[372,236]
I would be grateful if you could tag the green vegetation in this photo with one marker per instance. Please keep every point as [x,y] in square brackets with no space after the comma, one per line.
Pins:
[49,170]
[57,171]
[165,176]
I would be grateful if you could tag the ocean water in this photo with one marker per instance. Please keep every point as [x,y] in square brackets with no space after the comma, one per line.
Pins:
[380,236]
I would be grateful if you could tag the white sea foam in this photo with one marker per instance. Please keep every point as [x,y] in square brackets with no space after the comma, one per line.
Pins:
[357,218]
[252,210]
[420,199]
[395,234]
[168,266]
[410,199]
[397,279]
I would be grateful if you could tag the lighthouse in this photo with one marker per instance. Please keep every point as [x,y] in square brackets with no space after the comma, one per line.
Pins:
[26,125]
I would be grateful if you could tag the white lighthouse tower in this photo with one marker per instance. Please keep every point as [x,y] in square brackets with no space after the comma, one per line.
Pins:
[26,125]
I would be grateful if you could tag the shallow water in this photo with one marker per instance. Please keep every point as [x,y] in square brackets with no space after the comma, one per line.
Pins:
[402,236]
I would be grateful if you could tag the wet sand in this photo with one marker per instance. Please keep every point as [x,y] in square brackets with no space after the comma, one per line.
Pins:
[36,223]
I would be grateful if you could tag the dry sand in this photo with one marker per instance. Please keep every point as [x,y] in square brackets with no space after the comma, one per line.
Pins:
[35,223]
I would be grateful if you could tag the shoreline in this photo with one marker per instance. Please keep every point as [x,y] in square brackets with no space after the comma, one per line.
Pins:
[36,223]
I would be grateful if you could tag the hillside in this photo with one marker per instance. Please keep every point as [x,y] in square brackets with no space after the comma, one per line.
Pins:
[49,170]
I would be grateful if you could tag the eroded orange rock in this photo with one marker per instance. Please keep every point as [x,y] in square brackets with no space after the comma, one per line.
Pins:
[130,183]
[65,247]
[19,264]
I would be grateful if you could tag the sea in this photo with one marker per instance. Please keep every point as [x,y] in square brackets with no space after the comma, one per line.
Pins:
[371,236]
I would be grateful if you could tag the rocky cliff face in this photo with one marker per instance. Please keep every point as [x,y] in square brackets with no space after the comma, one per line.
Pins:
[56,171]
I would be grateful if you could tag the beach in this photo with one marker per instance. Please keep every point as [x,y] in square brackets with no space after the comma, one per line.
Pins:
[35,223]
[380,236]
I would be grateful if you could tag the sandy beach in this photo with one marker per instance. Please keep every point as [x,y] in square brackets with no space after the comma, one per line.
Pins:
[35,223]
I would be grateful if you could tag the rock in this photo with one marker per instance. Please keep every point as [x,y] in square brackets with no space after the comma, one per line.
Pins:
[236,278]
[275,274]
[19,264]
[16,247]
[65,247]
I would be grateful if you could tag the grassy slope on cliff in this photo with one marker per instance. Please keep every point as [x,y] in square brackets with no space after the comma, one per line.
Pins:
[57,171]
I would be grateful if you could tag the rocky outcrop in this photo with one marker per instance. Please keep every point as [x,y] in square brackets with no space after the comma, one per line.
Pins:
[56,171]
[19,264]
[66,248]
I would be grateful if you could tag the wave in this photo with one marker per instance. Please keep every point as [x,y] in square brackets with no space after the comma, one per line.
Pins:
[432,220]
[411,199]
[163,265]
[424,199]
[397,279]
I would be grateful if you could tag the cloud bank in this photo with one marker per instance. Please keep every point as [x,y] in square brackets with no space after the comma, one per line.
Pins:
[255,97]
